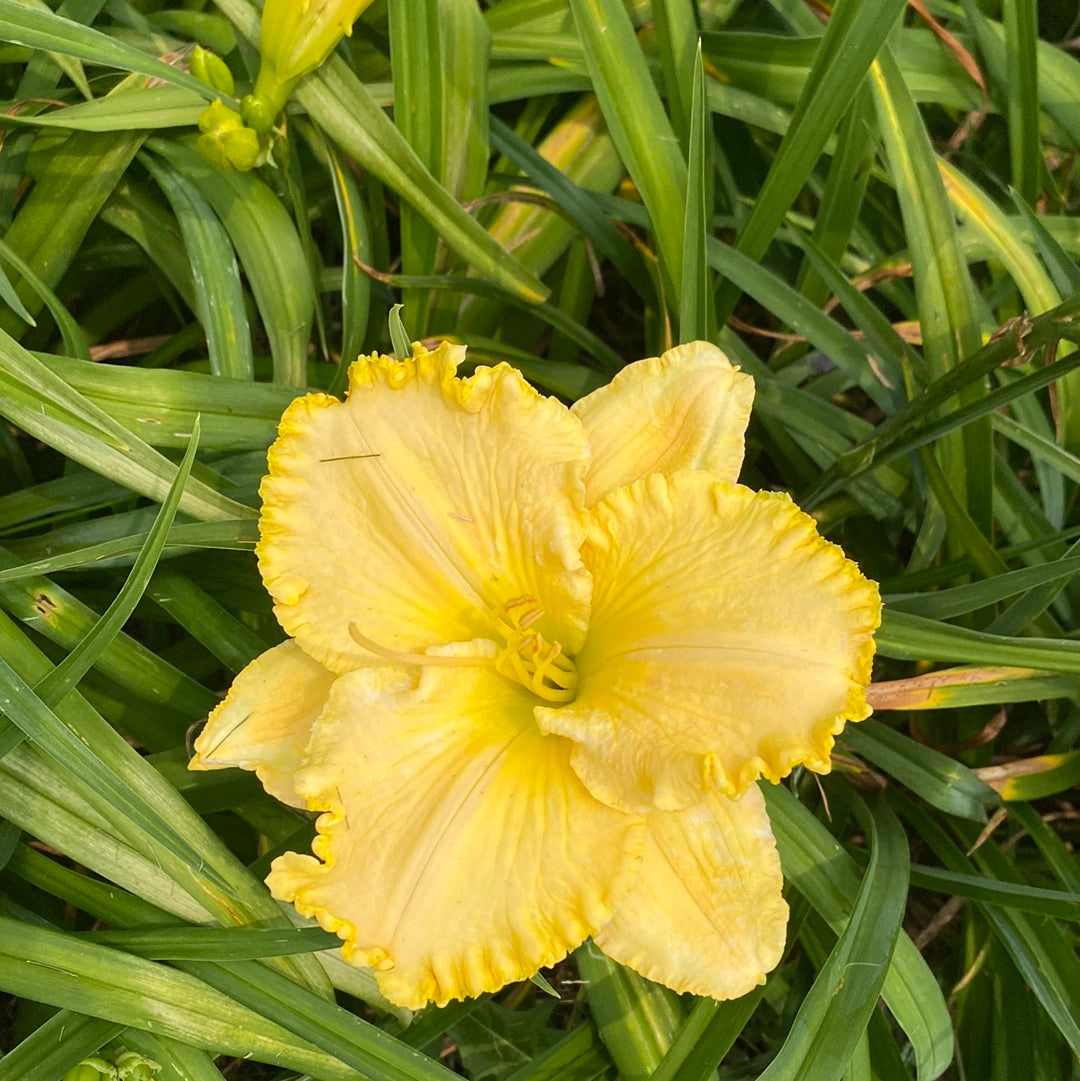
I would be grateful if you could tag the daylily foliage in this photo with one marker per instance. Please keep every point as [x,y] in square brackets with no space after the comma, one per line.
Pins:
[537,659]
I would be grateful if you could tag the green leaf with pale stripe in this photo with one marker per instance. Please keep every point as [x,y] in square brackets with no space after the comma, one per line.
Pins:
[831,1022]
[638,123]
[696,295]
[39,29]
[853,37]
[219,294]
[816,865]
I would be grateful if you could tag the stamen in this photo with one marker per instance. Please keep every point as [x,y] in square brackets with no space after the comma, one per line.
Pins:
[403,657]
[528,658]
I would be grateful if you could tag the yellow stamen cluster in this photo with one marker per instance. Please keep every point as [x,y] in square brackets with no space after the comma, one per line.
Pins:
[528,657]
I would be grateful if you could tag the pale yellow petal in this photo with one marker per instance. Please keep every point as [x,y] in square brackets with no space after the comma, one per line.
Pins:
[420,503]
[706,914]
[265,720]
[728,641]
[687,409]
[460,851]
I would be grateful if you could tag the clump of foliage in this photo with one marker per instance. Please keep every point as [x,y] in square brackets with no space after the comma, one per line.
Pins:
[869,206]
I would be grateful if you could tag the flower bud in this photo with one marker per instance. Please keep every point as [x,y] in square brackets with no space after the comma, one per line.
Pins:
[210,69]
[90,1069]
[296,37]
[226,142]
[134,1067]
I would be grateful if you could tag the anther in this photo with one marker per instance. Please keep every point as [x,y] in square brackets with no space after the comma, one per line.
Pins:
[527,657]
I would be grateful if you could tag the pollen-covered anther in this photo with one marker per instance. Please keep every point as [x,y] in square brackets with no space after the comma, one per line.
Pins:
[528,657]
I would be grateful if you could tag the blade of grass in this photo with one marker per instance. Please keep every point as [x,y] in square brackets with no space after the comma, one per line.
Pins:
[232,642]
[853,37]
[42,404]
[237,536]
[677,41]
[66,971]
[637,1019]
[161,404]
[844,191]
[1038,948]
[944,292]
[1021,99]
[53,219]
[72,335]
[941,781]
[439,59]
[44,30]
[706,1037]
[816,865]
[638,123]
[834,1014]
[219,295]
[694,306]
[214,944]
[578,1056]
[30,709]
[141,109]
[356,250]
[911,637]
[1062,267]
[327,1026]
[1022,339]
[61,1042]
[1054,904]
[578,204]
[81,659]
[269,249]
[117,791]
[953,688]
[73,819]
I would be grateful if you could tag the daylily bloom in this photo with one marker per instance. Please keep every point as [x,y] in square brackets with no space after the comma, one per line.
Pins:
[537,659]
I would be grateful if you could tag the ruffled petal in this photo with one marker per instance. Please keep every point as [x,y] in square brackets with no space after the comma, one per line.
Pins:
[419,504]
[728,641]
[687,409]
[460,851]
[706,914]
[266,718]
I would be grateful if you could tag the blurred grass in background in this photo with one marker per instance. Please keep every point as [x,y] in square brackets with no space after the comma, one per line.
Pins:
[871,206]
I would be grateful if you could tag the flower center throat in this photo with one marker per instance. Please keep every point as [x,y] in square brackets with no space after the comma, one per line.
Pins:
[527,657]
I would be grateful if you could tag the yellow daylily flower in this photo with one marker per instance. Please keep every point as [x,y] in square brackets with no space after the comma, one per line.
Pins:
[537,659]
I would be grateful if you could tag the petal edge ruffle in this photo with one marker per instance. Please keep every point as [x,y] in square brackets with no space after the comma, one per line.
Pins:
[686,409]
[460,851]
[729,641]
[419,504]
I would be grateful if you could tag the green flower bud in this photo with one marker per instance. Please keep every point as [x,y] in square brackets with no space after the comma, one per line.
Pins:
[210,69]
[133,1067]
[296,37]
[258,113]
[238,149]
[225,142]
[217,116]
[90,1069]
